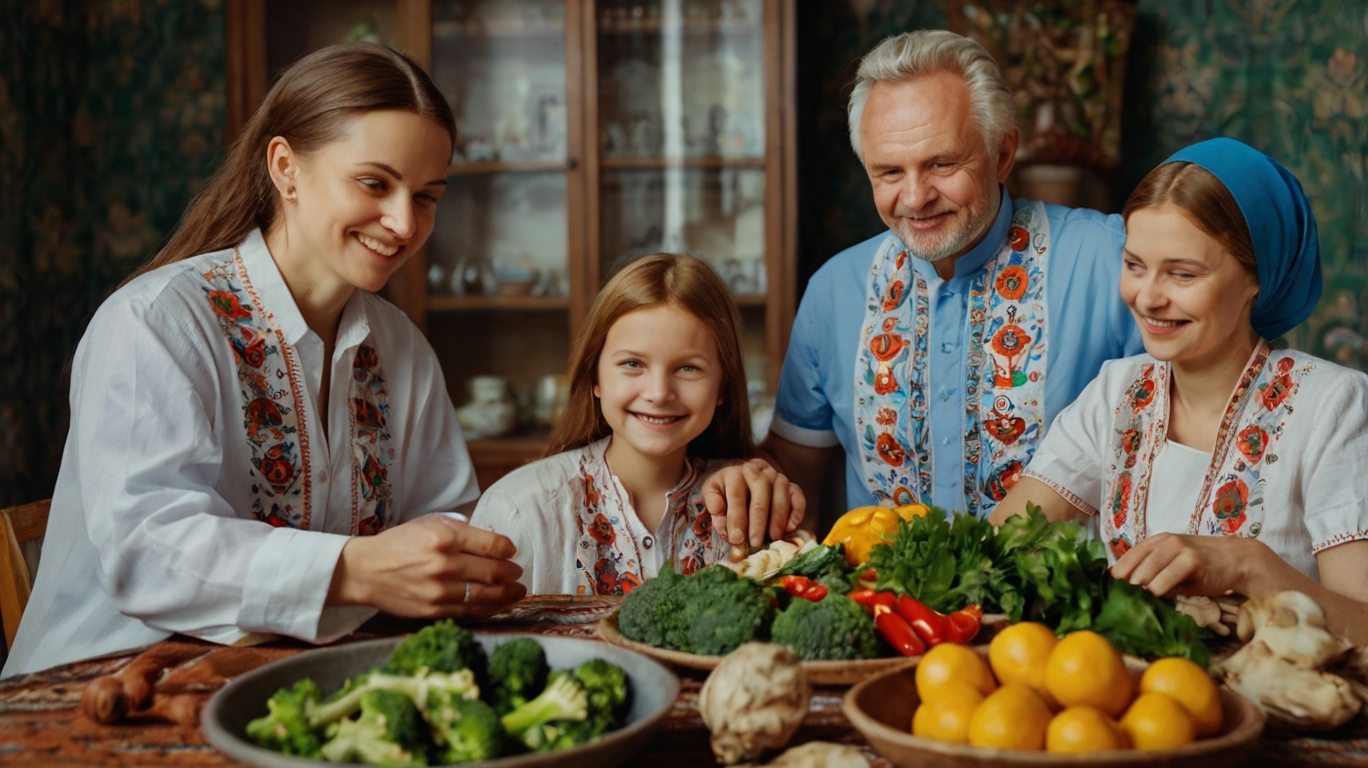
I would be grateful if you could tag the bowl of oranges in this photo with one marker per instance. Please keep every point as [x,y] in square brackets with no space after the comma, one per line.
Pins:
[1033,698]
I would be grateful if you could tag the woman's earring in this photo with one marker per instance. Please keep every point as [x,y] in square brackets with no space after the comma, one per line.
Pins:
[290,193]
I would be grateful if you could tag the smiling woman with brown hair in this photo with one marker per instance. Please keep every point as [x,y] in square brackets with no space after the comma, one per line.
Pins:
[257,440]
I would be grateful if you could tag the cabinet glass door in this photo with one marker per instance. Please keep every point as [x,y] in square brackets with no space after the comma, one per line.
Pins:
[682,163]
[499,264]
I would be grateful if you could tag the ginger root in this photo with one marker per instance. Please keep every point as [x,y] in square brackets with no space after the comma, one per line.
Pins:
[754,701]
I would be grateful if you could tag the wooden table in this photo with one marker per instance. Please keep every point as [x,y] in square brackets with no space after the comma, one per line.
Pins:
[41,721]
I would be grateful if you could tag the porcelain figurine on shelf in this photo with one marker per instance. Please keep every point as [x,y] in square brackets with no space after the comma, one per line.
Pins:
[491,411]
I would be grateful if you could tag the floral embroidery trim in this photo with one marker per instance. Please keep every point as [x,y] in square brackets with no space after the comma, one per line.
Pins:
[274,419]
[607,555]
[1337,539]
[1004,394]
[1069,496]
[372,453]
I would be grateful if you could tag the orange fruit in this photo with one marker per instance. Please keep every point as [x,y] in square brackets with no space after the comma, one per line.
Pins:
[946,717]
[1084,668]
[952,663]
[1155,721]
[1018,654]
[1083,730]
[1012,717]
[1188,684]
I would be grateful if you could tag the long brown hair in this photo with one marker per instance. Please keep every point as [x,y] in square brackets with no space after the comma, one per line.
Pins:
[1206,201]
[655,280]
[308,106]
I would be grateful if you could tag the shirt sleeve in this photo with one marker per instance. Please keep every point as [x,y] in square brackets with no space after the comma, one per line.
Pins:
[172,551]
[1070,458]
[802,410]
[1333,489]
[501,513]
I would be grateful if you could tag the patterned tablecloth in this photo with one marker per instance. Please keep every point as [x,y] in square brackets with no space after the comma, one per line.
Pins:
[41,722]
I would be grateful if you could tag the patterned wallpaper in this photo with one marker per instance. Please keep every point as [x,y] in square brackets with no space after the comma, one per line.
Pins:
[111,115]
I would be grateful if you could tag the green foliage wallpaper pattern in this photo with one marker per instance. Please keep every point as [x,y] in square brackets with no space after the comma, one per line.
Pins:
[111,117]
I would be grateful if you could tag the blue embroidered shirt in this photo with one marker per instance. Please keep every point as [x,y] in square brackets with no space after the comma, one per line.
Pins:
[1089,324]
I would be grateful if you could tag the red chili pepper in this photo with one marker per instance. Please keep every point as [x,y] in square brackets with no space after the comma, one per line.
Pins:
[897,632]
[930,625]
[963,625]
[870,599]
[868,578]
[802,586]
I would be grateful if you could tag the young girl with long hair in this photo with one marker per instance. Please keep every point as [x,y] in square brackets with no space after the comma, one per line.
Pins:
[256,438]
[657,402]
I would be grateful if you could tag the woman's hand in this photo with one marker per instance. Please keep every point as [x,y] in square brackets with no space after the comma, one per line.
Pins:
[430,567]
[748,498]
[1194,565]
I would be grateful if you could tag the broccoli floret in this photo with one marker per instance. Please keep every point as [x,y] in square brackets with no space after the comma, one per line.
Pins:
[606,688]
[649,612]
[563,699]
[721,612]
[389,732]
[464,729]
[441,647]
[287,728]
[836,583]
[833,628]
[517,672]
[712,612]
[416,687]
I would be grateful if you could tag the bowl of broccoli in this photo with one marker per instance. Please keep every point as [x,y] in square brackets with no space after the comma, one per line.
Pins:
[445,696]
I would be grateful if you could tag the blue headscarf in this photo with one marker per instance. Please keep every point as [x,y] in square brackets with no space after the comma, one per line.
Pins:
[1281,224]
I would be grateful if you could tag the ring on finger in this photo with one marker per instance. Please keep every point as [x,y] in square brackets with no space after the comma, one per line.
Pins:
[466,599]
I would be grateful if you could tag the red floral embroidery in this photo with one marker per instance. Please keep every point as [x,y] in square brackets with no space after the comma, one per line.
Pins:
[1010,340]
[1002,480]
[702,525]
[602,531]
[607,578]
[368,414]
[690,564]
[884,382]
[1252,441]
[1119,546]
[889,450]
[263,414]
[278,468]
[1276,391]
[227,305]
[1144,395]
[886,417]
[1229,506]
[1120,505]
[1018,238]
[1012,282]
[886,345]
[897,291]
[370,526]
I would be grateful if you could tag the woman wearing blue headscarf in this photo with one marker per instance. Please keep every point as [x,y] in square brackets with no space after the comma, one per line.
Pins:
[1216,463]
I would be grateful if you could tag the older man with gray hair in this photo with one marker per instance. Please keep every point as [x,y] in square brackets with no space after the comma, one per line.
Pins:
[937,353]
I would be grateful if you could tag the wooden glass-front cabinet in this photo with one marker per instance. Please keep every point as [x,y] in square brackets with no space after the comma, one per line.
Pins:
[590,133]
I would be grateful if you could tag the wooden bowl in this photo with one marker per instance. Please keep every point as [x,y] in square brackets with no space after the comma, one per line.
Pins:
[881,708]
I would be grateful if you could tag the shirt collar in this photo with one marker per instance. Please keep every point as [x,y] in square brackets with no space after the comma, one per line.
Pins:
[979,255]
[275,295]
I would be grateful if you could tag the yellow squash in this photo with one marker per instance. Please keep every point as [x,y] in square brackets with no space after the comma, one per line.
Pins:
[863,527]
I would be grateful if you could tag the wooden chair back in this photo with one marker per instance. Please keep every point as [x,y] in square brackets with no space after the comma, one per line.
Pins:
[18,525]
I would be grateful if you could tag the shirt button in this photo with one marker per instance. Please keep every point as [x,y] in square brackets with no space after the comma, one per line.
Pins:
[323,476]
[647,542]
[947,347]
[945,441]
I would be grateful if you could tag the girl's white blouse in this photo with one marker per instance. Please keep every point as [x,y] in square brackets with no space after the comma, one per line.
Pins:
[151,531]
[1314,496]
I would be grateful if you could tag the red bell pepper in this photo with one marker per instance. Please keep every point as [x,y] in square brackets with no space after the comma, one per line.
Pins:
[963,625]
[897,632]
[869,598]
[802,586]
[929,625]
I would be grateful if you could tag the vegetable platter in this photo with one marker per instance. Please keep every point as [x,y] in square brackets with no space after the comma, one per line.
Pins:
[233,718]
[882,706]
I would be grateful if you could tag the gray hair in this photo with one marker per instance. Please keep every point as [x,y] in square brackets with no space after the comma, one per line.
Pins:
[902,57]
